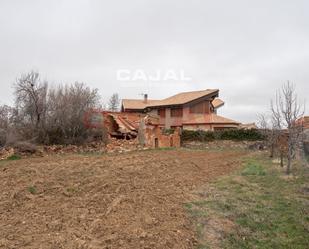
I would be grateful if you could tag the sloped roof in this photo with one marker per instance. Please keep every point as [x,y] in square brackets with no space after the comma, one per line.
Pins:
[137,104]
[209,119]
[178,99]
[185,97]
[217,103]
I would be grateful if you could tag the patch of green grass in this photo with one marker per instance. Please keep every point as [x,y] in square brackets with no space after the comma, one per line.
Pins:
[32,189]
[14,157]
[268,210]
[253,169]
[71,190]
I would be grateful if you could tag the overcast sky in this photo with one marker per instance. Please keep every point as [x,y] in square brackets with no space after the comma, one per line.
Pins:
[246,48]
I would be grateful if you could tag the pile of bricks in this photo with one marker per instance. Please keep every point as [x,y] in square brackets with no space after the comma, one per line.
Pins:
[123,145]
[6,153]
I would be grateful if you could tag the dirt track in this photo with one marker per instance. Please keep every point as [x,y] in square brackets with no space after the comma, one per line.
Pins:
[132,200]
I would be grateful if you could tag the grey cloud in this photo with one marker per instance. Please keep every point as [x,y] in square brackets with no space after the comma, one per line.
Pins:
[247,49]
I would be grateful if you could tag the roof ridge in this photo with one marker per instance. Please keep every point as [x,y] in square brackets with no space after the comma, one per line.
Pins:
[196,91]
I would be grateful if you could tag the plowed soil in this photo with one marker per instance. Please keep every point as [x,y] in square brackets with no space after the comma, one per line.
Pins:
[132,200]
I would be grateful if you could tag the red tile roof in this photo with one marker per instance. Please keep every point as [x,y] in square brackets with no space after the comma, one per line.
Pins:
[137,104]
[185,97]
[178,99]
[210,119]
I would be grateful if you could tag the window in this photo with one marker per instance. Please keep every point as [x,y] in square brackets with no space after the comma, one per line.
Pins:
[202,107]
[176,112]
[161,113]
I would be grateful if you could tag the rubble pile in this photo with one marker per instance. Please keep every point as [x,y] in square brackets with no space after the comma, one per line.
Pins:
[86,148]
[122,125]
[5,153]
[123,145]
[114,145]
[126,132]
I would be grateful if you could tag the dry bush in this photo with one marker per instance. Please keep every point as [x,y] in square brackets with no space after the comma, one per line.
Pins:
[5,118]
[45,115]
[98,135]
[12,137]
[2,137]
[67,106]
[24,148]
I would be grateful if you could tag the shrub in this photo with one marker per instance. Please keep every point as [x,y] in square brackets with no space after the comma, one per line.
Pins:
[32,189]
[54,136]
[2,137]
[24,148]
[14,157]
[97,134]
[199,135]
[240,134]
[233,134]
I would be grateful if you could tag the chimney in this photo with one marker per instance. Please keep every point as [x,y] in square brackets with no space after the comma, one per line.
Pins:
[145,97]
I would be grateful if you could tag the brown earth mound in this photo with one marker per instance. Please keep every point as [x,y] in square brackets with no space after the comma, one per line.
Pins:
[130,200]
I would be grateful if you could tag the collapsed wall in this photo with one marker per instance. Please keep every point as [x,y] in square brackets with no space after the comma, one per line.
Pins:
[141,126]
[151,135]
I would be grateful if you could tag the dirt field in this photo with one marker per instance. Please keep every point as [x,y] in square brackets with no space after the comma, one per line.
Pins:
[132,200]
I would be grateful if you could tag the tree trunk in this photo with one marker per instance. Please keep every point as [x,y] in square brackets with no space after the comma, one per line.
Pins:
[288,168]
[272,148]
[281,159]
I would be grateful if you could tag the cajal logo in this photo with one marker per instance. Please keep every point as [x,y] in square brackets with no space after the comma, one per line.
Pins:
[157,75]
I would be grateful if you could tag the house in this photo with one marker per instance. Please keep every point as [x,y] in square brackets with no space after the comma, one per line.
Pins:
[195,110]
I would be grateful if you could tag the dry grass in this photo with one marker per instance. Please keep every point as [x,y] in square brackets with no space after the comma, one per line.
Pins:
[258,207]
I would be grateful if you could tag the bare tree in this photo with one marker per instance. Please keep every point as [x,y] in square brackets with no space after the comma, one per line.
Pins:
[113,104]
[286,110]
[30,99]
[5,116]
[265,129]
[55,115]
[270,131]
[5,121]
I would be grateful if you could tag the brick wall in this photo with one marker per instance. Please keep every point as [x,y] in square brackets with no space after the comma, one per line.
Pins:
[154,138]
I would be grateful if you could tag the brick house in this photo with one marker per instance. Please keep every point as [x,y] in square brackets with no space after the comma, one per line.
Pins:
[195,110]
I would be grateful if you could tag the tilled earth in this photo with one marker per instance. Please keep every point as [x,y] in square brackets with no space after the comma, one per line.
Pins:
[131,200]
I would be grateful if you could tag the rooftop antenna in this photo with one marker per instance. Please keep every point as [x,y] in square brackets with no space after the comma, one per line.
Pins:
[145,95]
